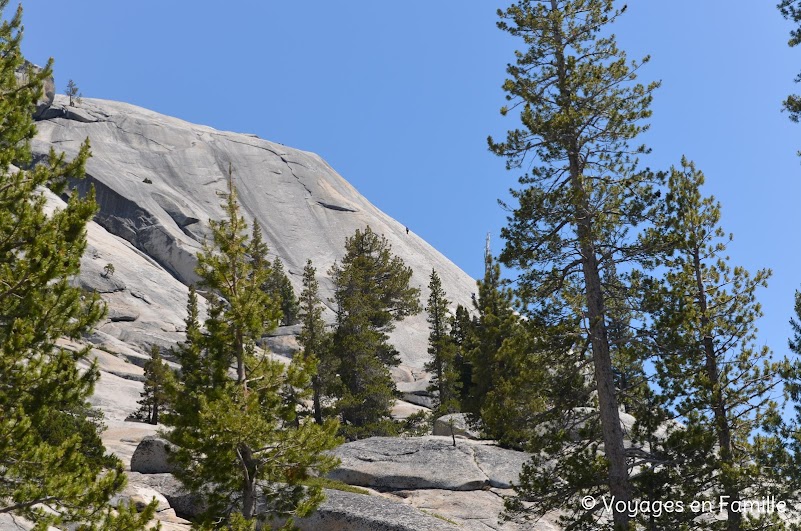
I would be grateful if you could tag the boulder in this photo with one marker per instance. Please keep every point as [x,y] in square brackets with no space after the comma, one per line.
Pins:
[140,496]
[402,410]
[185,504]
[283,345]
[152,456]
[419,399]
[49,86]
[387,463]
[458,423]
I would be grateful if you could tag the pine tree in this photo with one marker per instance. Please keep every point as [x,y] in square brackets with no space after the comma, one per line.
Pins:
[789,460]
[791,10]
[495,323]
[280,288]
[582,195]
[73,93]
[717,384]
[156,385]
[239,443]
[316,342]
[53,467]
[462,335]
[445,383]
[371,292]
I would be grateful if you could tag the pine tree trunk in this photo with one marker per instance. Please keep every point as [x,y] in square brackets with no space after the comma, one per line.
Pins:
[619,487]
[154,417]
[241,376]
[614,450]
[248,482]
[722,430]
[607,401]
[316,400]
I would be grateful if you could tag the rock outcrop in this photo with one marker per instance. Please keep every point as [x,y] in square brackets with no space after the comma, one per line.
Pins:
[158,181]
[152,456]
[465,484]
[48,88]
[414,484]
[343,511]
[432,462]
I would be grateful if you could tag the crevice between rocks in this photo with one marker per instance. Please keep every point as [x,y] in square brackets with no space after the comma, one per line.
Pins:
[478,465]
[336,207]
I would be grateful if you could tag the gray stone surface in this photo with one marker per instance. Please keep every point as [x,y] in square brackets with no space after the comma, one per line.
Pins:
[140,496]
[419,399]
[157,180]
[501,466]
[414,463]
[152,456]
[185,505]
[306,210]
[146,304]
[476,510]
[408,463]
[345,511]
[9,522]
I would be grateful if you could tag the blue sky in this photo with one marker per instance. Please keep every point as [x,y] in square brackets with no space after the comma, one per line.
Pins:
[399,98]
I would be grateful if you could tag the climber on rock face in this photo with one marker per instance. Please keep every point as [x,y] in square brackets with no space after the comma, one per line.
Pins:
[407,230]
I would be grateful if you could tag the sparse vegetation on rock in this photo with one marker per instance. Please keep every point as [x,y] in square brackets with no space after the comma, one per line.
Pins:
[73,92]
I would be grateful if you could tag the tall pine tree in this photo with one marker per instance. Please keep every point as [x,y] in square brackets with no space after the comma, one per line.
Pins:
[316,343]
[495,323]
[155,394]
[239,443]
[579,108]
[445,377]
[462,337]
[53,467]
[371,292]
[720,387]
[280,288]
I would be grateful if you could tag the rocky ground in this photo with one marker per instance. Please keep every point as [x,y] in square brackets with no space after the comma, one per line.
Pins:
[411,483]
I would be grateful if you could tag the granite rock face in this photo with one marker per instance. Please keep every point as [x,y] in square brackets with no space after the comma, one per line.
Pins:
[345,511]
[466,484]
[158,181]
[432,462]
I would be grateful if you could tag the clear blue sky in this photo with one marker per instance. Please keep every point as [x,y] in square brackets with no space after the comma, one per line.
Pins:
[399,98]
